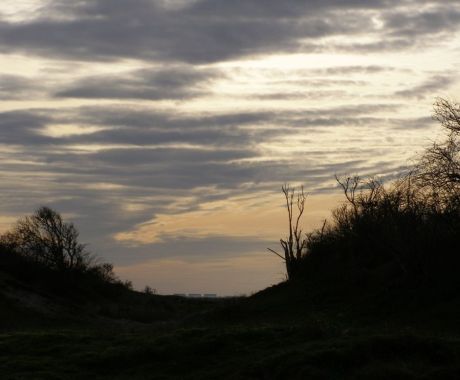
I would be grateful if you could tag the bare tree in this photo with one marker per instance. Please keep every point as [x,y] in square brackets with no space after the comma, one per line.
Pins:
[448,114]
[294,246]
[361,194]
[349,186]
[439,167]
[45,237]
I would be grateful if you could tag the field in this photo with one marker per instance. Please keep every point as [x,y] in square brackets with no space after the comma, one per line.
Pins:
[271,335]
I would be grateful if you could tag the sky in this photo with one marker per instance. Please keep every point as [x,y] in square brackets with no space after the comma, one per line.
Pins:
[164,129]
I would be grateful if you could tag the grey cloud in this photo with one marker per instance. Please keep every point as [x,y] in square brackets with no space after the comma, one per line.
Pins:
[177,82]
[233,153]
[380,45]
[171,156]
[323,82]
[48,170]
[184,248]
[142,127]
[145,118]
[23,128]
[15,87]
[128,126]
[150,170]
[277,9]
[347,70]
[329,73]
[292,95]
[204,31]
[137,117]
[429,87]
[441,19]
[415,123]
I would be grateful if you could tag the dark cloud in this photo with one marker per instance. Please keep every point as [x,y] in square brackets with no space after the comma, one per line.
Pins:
[380,45]
[49,171]
[152,157]
[430,87]
[415,123]
[143,30]
[138,161]
[148,118]
[15,87]
[349,70]
[179,82]
[214,30]
[300,95]
[23,128]
[443,18]
[186,249]
[142,127]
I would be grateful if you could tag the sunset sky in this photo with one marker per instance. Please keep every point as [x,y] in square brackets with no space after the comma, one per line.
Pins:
[165,128]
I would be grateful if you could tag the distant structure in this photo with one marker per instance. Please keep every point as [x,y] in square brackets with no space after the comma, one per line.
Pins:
[196,295]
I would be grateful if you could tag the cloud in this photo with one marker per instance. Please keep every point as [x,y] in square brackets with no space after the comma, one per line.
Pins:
[134,127]
[16,87]
[351,70]
[438,18]
[243,217]
[179,82]
[171,125]
[143,151]
[22,127]
[215,30]
[429,87]
[151,177]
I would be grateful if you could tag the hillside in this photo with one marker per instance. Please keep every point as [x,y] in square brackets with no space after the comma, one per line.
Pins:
[282,332]
[33,296]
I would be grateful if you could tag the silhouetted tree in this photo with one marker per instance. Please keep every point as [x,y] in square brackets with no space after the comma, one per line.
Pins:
[404,233]
[296,242]
[47,238]
[439,167]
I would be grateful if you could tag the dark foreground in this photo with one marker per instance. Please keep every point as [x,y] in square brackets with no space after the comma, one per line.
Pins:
[266,352]
[272,335]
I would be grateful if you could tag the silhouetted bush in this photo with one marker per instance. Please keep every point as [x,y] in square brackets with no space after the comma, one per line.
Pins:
[400,231]
[45,237]
[407,232]
[44,249]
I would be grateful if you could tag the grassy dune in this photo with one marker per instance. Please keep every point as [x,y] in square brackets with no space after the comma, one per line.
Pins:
[277,334]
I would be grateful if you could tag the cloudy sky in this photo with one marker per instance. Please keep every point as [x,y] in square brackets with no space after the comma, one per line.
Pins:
[165,128]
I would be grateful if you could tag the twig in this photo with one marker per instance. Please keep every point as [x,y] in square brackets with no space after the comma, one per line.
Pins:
[276,253]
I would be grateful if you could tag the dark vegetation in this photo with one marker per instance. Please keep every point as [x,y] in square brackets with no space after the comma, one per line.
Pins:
[49,278]
[372,294]
[44,242]
[401,236]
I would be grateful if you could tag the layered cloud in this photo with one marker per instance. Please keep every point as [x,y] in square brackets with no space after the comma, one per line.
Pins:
[179,82]
[210,31]
[165,128]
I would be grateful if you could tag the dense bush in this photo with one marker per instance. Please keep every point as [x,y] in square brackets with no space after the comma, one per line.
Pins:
[400,231]
[406,232]
[44,247]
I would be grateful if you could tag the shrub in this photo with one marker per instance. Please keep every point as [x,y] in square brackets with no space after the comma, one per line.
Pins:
[407,231]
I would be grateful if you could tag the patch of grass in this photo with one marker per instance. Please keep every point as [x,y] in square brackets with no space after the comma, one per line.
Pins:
[237,352]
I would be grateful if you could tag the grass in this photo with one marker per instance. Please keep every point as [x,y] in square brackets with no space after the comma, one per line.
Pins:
[273,335]
[231,352]
[289,331]
[284,332]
